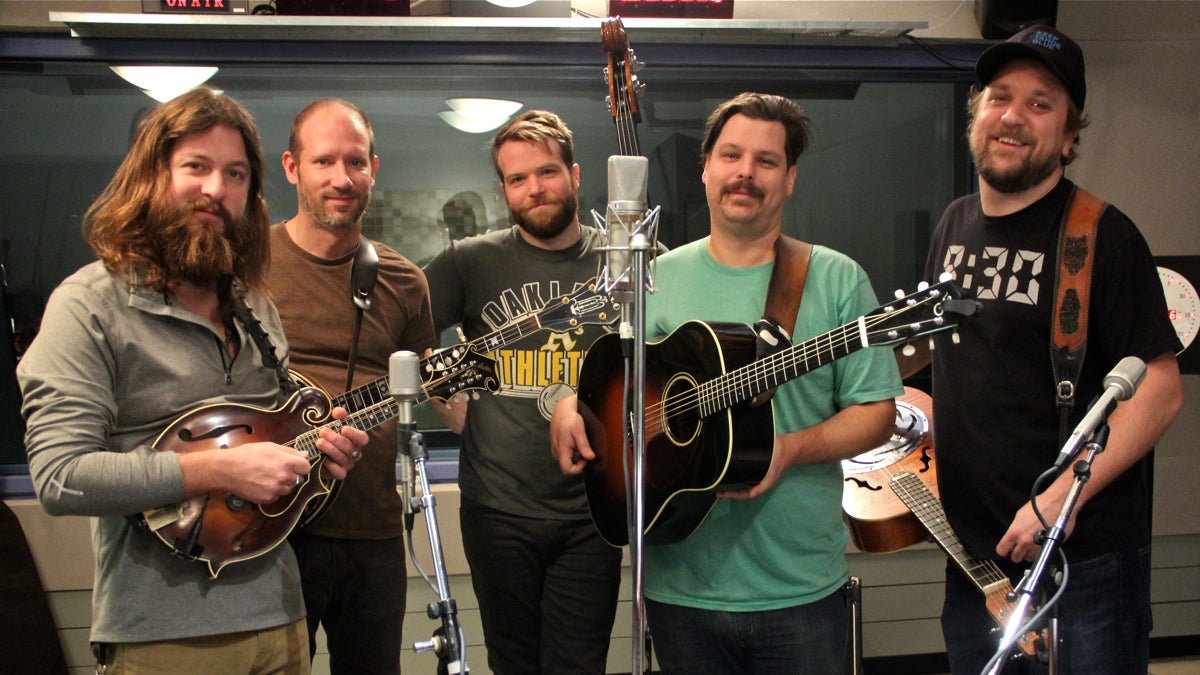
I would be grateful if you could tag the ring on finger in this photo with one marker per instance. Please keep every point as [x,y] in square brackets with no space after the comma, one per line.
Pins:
[355,456]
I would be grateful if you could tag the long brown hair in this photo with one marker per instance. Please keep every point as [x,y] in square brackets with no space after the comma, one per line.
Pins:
[116,225]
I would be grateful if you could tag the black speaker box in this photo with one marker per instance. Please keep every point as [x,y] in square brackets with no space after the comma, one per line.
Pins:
[1000,19]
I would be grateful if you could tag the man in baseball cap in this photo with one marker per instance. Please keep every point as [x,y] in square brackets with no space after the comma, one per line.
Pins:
[999,426]
[1056,51]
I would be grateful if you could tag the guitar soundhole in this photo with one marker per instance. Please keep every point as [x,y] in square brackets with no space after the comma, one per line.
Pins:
[679,410]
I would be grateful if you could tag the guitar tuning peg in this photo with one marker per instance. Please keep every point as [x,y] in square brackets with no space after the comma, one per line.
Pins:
[908,350]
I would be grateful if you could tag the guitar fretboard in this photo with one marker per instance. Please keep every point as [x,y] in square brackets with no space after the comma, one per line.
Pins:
[917,496]
[754,378]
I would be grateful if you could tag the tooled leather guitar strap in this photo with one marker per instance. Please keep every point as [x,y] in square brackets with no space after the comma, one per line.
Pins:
[784,292]
[1072,292]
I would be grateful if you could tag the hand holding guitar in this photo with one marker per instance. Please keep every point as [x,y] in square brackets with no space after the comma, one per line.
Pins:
[568,437]
[262,472]
[839,437]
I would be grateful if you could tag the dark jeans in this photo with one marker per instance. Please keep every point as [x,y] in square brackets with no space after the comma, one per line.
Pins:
[356,589]
[1103,619]
[547,590]
[803,640]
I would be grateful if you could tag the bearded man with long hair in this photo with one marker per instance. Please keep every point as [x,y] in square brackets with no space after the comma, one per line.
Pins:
[132,341]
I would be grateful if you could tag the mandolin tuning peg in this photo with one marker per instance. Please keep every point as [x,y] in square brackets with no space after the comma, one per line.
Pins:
[954,337]
[932,346]
[945,276]
[923,286]
[908,350]
[899,293]
[475,395]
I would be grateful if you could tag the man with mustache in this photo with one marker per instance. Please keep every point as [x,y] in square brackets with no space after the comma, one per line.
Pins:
[759,586]
[143,335]
[352,559]
[998,421]
[546,582]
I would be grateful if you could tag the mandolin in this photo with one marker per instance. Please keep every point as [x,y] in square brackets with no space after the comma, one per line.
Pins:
[219,528]
[466,366]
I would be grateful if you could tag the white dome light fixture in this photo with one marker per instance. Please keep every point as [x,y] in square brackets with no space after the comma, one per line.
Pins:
[163,83]
[478,115]
[511,3]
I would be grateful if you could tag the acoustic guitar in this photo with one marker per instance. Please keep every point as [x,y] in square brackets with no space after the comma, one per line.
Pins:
[877,519]
[701,433]
[890,502]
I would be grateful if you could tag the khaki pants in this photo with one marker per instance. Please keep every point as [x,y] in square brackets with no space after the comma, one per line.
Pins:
[275,651]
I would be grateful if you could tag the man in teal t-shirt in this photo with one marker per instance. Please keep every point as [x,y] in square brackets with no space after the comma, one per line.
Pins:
[757,586]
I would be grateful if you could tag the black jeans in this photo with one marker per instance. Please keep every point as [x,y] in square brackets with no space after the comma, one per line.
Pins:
[356,589]
[547,590]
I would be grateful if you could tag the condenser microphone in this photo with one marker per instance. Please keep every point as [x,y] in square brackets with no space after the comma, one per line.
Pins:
[404,381]
[1119,385]
[627,180]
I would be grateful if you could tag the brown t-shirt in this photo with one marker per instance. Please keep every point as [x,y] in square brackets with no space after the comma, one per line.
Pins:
[314,300]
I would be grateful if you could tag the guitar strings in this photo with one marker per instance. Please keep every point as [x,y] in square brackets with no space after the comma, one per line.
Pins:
[723,391]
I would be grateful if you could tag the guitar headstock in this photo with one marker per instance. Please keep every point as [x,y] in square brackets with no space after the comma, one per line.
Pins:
[456,369]
[931,309]
[588,305]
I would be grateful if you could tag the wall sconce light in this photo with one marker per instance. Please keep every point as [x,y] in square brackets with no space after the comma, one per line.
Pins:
[163,83]
[478,115]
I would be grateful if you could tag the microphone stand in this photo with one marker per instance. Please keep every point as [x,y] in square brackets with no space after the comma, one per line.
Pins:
[1051,542]
[447,642]
[641,242]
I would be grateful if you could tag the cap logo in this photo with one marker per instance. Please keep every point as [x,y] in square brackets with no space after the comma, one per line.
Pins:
[1047,40]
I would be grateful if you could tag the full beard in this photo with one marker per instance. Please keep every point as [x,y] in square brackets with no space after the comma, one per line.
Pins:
[551,226]
[332,220]
[200,255]
[1031,171]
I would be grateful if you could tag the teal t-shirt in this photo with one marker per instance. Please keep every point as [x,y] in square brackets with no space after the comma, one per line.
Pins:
[786,547]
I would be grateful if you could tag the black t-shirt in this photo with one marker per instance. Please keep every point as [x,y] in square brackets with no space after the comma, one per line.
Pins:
[996,424]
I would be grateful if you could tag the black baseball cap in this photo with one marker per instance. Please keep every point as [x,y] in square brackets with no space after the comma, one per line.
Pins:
[1058,52]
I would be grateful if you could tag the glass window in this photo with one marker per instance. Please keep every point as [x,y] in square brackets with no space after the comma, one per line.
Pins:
[885,162]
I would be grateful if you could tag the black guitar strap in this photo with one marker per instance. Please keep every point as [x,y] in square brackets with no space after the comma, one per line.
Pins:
[261,340]
[1072,292]
[363,274]
[784,293]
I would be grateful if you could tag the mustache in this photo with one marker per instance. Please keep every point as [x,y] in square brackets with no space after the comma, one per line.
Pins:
[210,206]
[743,186]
